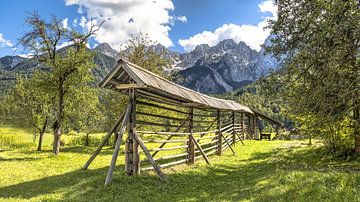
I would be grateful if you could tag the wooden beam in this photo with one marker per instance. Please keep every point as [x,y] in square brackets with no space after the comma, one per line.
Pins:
[200,149]
[126,86]
[164,143]
[218,125]
[150,158]
[191,146]
[233,127]
[117,146]
[104,141]
[228,143]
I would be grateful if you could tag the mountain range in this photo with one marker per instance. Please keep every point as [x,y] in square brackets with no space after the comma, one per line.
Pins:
[212,70]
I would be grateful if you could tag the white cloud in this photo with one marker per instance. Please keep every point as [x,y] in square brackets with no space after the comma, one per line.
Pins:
[268,6]
[75,22]
[4,42]
[127,17]
[64,23]
[253,35]
[182,18]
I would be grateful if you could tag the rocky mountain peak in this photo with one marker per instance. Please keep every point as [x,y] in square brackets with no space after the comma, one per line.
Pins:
[106,49]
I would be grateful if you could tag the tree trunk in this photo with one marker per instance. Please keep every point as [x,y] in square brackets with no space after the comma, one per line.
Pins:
[59,120]
[87,139]
[357,128]
[41,134]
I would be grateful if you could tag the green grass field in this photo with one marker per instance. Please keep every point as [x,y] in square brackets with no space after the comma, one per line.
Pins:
[261,171]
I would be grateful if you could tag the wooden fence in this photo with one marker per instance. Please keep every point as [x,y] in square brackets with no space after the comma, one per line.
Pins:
[169,133]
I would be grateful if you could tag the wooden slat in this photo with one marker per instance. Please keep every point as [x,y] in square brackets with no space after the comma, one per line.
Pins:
[163,133]
[168,148]
[161,107]
[200,149]
[166,157]
[160,116]
[149,157]
[165,141]
[110,173]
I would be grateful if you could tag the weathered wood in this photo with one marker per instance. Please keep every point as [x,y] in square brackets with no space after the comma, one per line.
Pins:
[218,124]
[168,148]
[163,133]
[104,141]
[233,127]
[129,152]
[132,131]
[126,86]
[242,125]
[149,157]
[167,164]
[191,146]
[207,149]
[239,138]
[161,107]
[117,146]
[164,143]
[227,142]
[161,116]
[200,149]
[167,157]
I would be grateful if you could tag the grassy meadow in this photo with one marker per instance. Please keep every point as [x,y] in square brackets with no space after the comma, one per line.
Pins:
[261,171]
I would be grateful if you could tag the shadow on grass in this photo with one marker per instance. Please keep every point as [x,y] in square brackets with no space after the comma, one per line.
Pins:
[269,176]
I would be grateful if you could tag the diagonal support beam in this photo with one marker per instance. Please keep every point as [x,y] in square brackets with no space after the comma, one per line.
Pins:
[227,142]
[117,145]
[164,143]
[238,135]
[200,149]
[150,158]
[104,141]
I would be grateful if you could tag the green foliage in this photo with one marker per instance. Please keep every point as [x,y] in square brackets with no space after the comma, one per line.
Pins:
[319,46]
[140,51]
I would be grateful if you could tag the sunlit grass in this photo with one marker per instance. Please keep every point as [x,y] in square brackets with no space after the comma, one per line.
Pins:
[260,171]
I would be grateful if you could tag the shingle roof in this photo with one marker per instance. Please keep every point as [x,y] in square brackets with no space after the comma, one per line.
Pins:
[125,73]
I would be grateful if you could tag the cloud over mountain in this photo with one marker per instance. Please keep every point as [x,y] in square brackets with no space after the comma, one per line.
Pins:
[252,35]
[126,17]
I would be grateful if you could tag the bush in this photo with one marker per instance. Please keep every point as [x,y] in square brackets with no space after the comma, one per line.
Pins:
[14,141]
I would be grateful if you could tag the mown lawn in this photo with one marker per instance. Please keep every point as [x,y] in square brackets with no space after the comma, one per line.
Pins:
[261,171]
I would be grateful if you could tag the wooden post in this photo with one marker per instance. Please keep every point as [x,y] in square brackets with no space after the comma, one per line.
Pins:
[149,157]
[191,146]
[254,127]
[132,130]
[233,132]
[104,141]
[200,149]
[117,146]
[242,126]
[219,148]
[130,155]
[249,127]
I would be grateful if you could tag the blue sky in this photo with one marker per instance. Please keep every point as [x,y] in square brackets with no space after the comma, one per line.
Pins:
[178,24]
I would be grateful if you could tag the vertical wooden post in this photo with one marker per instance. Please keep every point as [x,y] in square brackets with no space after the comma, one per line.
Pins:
[191,146]
[242,126]
[132,161]
[254,127]
[218,126]
[233,132]
[109,176]
[249,127]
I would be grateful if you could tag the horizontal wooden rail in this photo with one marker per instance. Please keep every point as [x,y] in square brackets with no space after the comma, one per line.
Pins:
[207,143]
[163,133]
[166,164]
[167,141]
[168,148]
[166,157]
[161,116]
[206,149]
[161,107]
